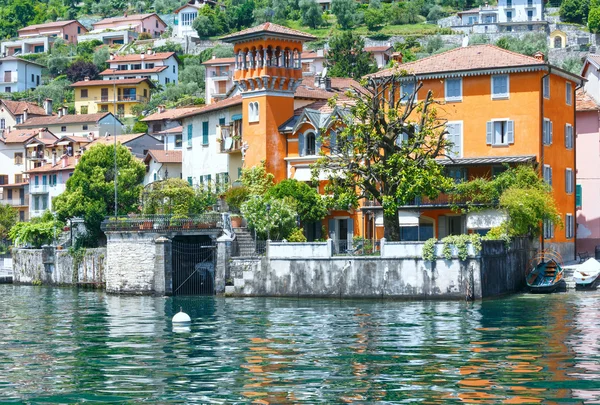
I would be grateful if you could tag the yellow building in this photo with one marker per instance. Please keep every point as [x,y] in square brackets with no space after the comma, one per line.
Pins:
[95,96]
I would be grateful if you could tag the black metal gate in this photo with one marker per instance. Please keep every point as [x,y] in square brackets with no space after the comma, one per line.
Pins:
[193,266]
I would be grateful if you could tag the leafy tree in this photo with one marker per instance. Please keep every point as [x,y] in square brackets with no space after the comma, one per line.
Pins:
[236,196]
[373,18]
[81,69]
[257,180]
[574,11]
[37,232]
[57,64]
[594,20]
[90,190]
[573,65]
[204,26]
[346,57]
[344,11]
[308,202]
[262,15]
[100,58]
[270,217]
[175,197]
[139,127]
[86,49]
[435,13]
[169,46]
[386,152]
[434,44]
[8,218]
[283,8]
[166,6]
[527,45]
[312,14]
[58,90]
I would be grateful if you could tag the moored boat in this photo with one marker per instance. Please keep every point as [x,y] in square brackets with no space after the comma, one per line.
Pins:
[586,275]
[546,275]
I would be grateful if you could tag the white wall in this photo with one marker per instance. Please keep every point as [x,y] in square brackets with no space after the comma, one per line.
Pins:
[592,86]
[49,191]
[181,30]
[519,10]
[160,169]
[20,76]
[212,82]
[7,158]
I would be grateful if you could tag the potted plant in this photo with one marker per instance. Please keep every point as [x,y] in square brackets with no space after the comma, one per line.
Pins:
[236,220]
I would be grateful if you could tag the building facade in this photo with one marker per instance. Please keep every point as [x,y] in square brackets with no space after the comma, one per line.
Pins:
[19,74]
[162,67]
[87,125]
[218,79]
[149,23]
[39,38]
[17,112]
[162,165]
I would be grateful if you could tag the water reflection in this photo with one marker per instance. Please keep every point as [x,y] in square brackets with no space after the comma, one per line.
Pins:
[69,346]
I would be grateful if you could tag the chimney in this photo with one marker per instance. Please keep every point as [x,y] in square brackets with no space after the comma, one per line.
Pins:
[161,108]
[64,161]
[25,114]
[112,56]
[320,52]
[539,56]
[65,110]
[48,106]
[86,79]
[397,56]
[54,158]
[60,111]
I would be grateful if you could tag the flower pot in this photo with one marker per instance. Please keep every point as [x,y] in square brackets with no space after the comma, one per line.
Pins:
[236,222]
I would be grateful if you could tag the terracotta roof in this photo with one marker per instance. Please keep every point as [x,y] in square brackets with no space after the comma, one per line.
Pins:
[271,28]
[86,83]
[18,107]
[109,140]
[217,61]
[584,102]
[22,135]
[171,114]
[192,3]
[312,55]
[134,57]
[164,156]
[304,91]
[44,141]
[65,119]
[228,102]
[344,83]
[77,139]
[48,25]
[464,58]
[71,162]
[126,18]
[113,72]
[378,48]
[175,130]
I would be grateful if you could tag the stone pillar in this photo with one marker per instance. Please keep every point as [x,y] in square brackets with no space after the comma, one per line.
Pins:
[224,246]
[163,267]
[330,247]
[382,247]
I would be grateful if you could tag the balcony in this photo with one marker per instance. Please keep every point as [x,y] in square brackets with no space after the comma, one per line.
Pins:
[38,188]
[225,74]
[16,202]
[9,77]
[230,137]
[122,99]
[35,155]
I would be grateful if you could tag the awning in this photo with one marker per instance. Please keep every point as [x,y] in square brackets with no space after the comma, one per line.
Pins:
[302,174]
[379,218]
[408,218]
[236,117]
[485,219]
[63,143]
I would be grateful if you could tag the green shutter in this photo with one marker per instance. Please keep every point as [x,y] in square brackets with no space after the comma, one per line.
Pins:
[190,181]
[578,195]
[205,133]
[189,135]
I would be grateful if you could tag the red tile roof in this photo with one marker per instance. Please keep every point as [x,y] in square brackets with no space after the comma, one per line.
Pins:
[465,58]
[585,102]
[378,48]
[312,55]
[134,57]
[18,107]
[65,119]
[175,130]
[268,27]
[304,91]
[86,83]
[218,61]
[113,72]
[23,135]
[171,114]
[71,162]
[228,102]
[164,156]
[109,140]
[54,24]
[127,18]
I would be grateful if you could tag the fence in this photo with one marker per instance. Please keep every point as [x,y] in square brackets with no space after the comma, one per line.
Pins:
[162,223]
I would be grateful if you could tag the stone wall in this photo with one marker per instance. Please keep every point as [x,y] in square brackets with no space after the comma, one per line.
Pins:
[59,267]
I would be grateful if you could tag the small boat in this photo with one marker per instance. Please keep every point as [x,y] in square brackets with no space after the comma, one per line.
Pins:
[546,276]
[586,275]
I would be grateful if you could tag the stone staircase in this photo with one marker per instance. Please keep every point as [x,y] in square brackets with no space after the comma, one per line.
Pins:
[245,242]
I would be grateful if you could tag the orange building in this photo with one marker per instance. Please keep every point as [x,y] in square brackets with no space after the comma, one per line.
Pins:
[501,108]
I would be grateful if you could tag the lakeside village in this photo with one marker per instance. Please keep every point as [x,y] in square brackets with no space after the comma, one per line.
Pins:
[341,171]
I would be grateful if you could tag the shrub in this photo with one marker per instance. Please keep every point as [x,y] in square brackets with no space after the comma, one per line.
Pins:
[235,197]
[297,235]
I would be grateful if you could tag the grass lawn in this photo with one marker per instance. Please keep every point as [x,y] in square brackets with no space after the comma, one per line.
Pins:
[389,30]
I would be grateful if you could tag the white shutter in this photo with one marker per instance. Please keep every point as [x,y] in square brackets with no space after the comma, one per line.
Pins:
[510,131]
[489,133]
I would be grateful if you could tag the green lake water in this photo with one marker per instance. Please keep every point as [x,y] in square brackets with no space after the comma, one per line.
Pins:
[60,345]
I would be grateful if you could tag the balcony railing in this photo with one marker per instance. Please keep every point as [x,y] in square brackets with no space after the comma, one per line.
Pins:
[226,73]
[150,223]
[122,99]
[36,155]
[230,137]
[38,188]
[16,202]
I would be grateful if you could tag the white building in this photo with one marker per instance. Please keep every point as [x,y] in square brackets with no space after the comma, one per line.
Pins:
[19,74]
[162,67]
[161,122]
[162,165]
[16,112]
[76,125]
[185,16]
[49,181]
[381,54]
[109,37]
[520,11]
[219,78]
[313,62]
[507,16]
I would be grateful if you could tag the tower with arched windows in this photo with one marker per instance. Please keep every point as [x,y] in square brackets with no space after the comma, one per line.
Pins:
[268,70]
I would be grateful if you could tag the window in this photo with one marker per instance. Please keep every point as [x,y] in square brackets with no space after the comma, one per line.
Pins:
[546,88]
[547,132]
[84,93]
[569,226]
[454,136]
[548,229]
[569,181]
[509,16]
[569,93]
[501,132]
[509,3]
[548,174]
[3,179]
[122,67]
[406,91]
[84,127]
[205,133]
[568,136]
[79,30]
[32,77]
[530,18]
[500,86]
[18,178]
[458,174]
[178,141]
[2,123]
[253,114]
[454,89]
[63,129]
[190,181]
[103,108]
[7,89]
[136,66]
[155,177]
[311,143]
[84,109]
[174,68]
[66,36]
[189,135]
[18,158]
[19,119]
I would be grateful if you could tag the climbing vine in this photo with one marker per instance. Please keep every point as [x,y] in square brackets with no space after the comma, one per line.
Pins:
[429,249]
[459,241]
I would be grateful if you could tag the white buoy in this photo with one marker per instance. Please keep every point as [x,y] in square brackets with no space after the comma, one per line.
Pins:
[181,319]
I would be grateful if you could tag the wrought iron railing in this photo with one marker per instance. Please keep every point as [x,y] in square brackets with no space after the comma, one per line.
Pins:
[149,223]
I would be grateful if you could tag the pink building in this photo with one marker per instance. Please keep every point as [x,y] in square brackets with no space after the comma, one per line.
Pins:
[588,157]
[40,37]
[150,23]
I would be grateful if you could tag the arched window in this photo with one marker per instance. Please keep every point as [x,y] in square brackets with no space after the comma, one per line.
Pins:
[558,42]
[311,143]
[253,115]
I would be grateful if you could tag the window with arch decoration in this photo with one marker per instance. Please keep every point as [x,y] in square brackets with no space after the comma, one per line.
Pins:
[253,115]
[311,143]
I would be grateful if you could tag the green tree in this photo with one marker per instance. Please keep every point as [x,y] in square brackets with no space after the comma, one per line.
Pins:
[80,69]
[86,49]
[270,217]
[387,151]
[346,57]
[175,197]
[90,190]
[573,65]
[101,56]
[8,218]
[204,26]
[235,197]
[527,45]
[308,202]
[594,20]
[37,232]
[257,180]
[139,127]
[374,18]
[312,15]
[574,11]
[434,44]
[344,11]
[58,90]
